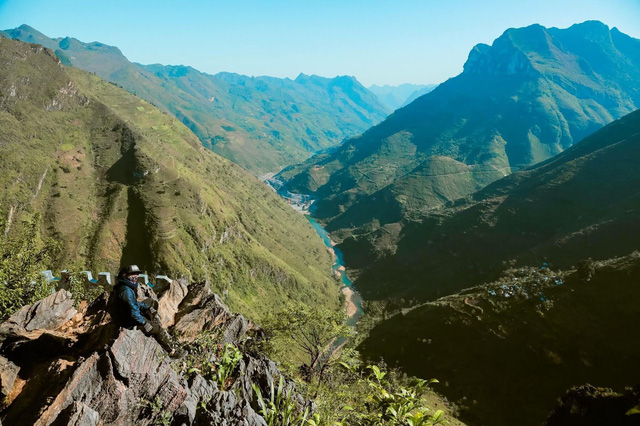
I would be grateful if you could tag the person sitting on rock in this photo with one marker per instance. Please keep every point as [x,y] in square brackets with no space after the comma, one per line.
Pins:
[131,313]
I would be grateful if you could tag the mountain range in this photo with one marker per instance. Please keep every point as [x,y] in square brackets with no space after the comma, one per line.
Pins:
[558,245]
[532,94]
[260,123]
[117,181]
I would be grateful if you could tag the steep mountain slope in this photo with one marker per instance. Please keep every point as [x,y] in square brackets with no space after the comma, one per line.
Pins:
[261,123]
[507,350]
[582,203]
[396,96]
[529,96]
[118,181]
[532,333]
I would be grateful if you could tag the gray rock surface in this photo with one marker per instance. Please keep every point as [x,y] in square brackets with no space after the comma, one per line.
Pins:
[78,368]
[49,313]
[8,374]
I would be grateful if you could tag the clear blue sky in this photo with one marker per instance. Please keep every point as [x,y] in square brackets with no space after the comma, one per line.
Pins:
[378,41]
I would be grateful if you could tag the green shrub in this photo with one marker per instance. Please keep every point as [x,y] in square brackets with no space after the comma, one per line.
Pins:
[371,396]
[208,357]
[280,409]
[310,329]
[80,291]
[22,257]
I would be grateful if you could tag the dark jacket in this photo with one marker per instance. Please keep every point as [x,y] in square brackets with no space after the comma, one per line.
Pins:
[129,310]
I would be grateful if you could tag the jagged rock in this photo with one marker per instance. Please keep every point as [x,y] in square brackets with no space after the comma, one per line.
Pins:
[116,383]
[145,292]
[235,330]
[261,371]
[68,367]
[199,390]
[169,302]
[78,414]
[49,313]
[211,312]
[198,292]
[226,409]
[8,374]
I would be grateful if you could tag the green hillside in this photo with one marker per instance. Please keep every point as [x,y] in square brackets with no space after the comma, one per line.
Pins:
[505,356]
[550,317]
[581,203]
[529,96]
[118,181]
[260,123]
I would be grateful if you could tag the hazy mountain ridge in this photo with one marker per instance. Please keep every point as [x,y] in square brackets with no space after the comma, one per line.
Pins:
[398,96]
[529,96]
[415,95]
[118,181]
[281,122]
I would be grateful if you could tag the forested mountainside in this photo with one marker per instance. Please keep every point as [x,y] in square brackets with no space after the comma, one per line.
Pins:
[260,123]
[117,181]
[557,245]
[582,203]
[507,350]
[532,94]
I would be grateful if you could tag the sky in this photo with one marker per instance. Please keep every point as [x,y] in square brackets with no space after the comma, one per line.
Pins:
[377,41]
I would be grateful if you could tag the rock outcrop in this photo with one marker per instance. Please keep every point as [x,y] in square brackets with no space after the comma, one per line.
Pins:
[65,366]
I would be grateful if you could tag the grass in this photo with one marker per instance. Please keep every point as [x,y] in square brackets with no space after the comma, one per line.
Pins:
[260,123]
[128,183]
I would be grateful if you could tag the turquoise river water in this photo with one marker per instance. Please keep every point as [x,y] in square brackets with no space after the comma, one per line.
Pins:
[339,262]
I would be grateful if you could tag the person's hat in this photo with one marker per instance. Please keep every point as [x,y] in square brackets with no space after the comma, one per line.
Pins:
[129,270]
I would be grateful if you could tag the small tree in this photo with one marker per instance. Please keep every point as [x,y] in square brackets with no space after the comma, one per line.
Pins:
[22,257]
[310,329]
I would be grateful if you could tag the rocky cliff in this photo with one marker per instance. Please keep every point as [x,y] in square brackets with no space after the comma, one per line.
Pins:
[66,365]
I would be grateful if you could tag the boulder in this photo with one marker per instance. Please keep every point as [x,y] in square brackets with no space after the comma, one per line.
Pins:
[210,313]
[235,330]
[66,367]
[116,383]
[50,313]
[169,302]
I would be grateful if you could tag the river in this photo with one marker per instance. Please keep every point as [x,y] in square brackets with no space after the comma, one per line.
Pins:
[302,203]
[354,300]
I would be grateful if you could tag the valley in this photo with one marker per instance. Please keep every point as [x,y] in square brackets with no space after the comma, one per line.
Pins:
[396,255]
[260,123]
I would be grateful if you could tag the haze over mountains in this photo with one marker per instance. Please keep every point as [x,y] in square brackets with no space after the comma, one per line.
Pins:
[395,97]
[470,216]
[529,96]
[260,123]
[116,181]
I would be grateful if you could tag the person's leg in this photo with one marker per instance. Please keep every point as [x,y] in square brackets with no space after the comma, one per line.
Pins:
[163,338]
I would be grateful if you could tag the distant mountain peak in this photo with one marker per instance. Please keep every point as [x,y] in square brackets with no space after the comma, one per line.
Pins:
[592,26]
[25,27]
[529,50]
[503,58]
[69,43]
